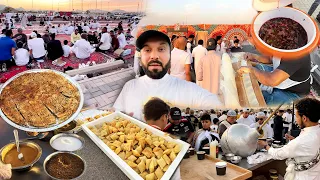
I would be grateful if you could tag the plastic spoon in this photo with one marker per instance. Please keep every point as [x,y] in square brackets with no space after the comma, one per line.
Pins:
[16,137]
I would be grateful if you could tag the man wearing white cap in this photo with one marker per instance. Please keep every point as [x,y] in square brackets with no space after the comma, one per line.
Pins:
[246,118]
[36,47]
[224,125]
[267,130]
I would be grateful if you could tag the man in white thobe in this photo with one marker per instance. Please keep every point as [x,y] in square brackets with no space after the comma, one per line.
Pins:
[267,130]
[246,118]
[303,152]
[82,48]
[24,20]
[198,53]
[208,69]
[154,47]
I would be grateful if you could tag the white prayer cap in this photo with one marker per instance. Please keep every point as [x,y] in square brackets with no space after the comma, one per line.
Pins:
[246,110]
[231,113]
[33,35]
[261,114]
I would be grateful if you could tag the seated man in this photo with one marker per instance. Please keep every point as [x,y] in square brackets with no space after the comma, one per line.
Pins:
[105,41]
[82,48]
[204,136]
[36,47]
[284,81]
[267,130]
[54,48]
[21,55]
[179,127]
[75,36]
[225,124]
[114,41]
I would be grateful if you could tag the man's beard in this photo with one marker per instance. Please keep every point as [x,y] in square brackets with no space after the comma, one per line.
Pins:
[156,74]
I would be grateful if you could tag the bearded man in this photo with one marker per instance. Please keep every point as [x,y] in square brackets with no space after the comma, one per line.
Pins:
[155,48]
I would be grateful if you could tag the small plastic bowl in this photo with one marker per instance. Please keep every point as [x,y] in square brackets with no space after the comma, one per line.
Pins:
[229,156]
[236,159]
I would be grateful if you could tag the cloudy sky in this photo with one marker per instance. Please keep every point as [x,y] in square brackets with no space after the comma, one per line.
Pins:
[199,12]
[65,5]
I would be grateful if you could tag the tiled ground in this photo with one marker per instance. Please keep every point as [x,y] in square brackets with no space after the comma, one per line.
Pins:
[102,91]
[305,5]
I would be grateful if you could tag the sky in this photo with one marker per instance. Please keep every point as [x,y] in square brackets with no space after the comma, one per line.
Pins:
[66,5]
[169,12]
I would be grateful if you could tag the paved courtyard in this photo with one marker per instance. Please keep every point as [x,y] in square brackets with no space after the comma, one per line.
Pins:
[305,5]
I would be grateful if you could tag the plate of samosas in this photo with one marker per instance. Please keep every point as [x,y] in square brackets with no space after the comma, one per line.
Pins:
[139,150]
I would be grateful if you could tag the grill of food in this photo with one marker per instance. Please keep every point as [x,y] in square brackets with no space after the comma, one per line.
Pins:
[40,99]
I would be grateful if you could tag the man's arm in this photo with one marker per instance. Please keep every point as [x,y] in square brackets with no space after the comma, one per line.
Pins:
[72,40]
[12,51]
[266,78]
[187,70]
[262,59]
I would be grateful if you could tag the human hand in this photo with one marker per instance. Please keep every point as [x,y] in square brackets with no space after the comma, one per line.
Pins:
[5,171]
[262,144]
[289,137]
[244,70]
[248,56]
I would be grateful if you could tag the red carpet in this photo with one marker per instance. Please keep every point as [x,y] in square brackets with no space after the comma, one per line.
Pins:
[72,61]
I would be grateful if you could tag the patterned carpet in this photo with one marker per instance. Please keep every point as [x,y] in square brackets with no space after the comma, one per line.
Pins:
[71,61]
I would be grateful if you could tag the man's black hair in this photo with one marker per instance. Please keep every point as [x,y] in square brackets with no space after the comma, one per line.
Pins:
[215,120]
[236,41]
[191,36]
[53,36]
[309,107]
[224,112]
[212,111]
[200,42]
[235,37]
[173,37]
[3,31]
[20,44]
[218,38]
[205,117]
[65,42]
[9,33]
[155,108]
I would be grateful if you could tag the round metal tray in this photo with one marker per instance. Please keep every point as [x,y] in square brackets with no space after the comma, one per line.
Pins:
[51,127]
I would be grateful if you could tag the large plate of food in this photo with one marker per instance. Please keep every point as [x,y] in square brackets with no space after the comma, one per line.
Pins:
[40,100]
[139,150]
[286,33]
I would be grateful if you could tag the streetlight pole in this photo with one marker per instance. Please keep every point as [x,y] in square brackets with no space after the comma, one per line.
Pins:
[82,5]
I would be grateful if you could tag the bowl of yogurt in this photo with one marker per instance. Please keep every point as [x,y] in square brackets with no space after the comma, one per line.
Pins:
[67,142]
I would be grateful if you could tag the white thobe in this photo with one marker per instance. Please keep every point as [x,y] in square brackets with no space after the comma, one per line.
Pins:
[302,148]
[82,49]
[172,90]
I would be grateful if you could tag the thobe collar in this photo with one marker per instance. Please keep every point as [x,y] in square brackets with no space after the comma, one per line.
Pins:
[156,81]
[311,128]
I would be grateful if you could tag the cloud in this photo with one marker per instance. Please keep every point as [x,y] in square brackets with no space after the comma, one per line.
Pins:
[168,12]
